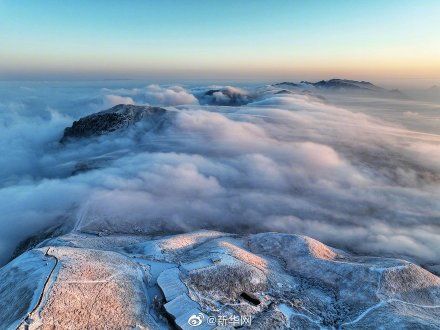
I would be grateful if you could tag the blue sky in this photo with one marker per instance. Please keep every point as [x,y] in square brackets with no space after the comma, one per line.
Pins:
[236,39]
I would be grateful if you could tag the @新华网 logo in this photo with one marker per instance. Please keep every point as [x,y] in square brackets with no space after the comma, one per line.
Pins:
[196,319]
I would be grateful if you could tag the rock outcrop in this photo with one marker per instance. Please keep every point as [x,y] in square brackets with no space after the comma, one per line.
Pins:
[206,279]
[116,118]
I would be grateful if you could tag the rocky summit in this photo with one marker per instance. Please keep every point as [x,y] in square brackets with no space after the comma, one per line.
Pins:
[116,118]
[208,279]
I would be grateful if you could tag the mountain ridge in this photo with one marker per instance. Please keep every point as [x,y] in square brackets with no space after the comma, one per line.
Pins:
[343,85]
[270,280]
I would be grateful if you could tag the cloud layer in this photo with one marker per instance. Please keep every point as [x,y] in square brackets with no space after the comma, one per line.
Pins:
[286,162]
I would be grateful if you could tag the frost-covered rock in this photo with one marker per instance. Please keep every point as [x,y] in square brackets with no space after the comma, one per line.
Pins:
[21,286]
[261,281]
[118,117]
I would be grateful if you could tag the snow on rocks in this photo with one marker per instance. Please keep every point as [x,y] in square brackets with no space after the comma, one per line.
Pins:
[22,282]
[208,279]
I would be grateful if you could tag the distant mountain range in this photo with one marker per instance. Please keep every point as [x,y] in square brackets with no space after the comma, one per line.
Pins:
[343,85]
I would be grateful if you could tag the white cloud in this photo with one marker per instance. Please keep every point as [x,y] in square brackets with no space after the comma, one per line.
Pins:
[175,95]
[284,163]
[112,100]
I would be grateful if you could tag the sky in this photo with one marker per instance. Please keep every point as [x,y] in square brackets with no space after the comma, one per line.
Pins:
[255,40]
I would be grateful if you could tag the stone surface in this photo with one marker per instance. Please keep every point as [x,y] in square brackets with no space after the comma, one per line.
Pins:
[261,281]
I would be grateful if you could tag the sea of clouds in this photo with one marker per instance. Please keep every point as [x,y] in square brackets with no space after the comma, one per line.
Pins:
[334,168]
